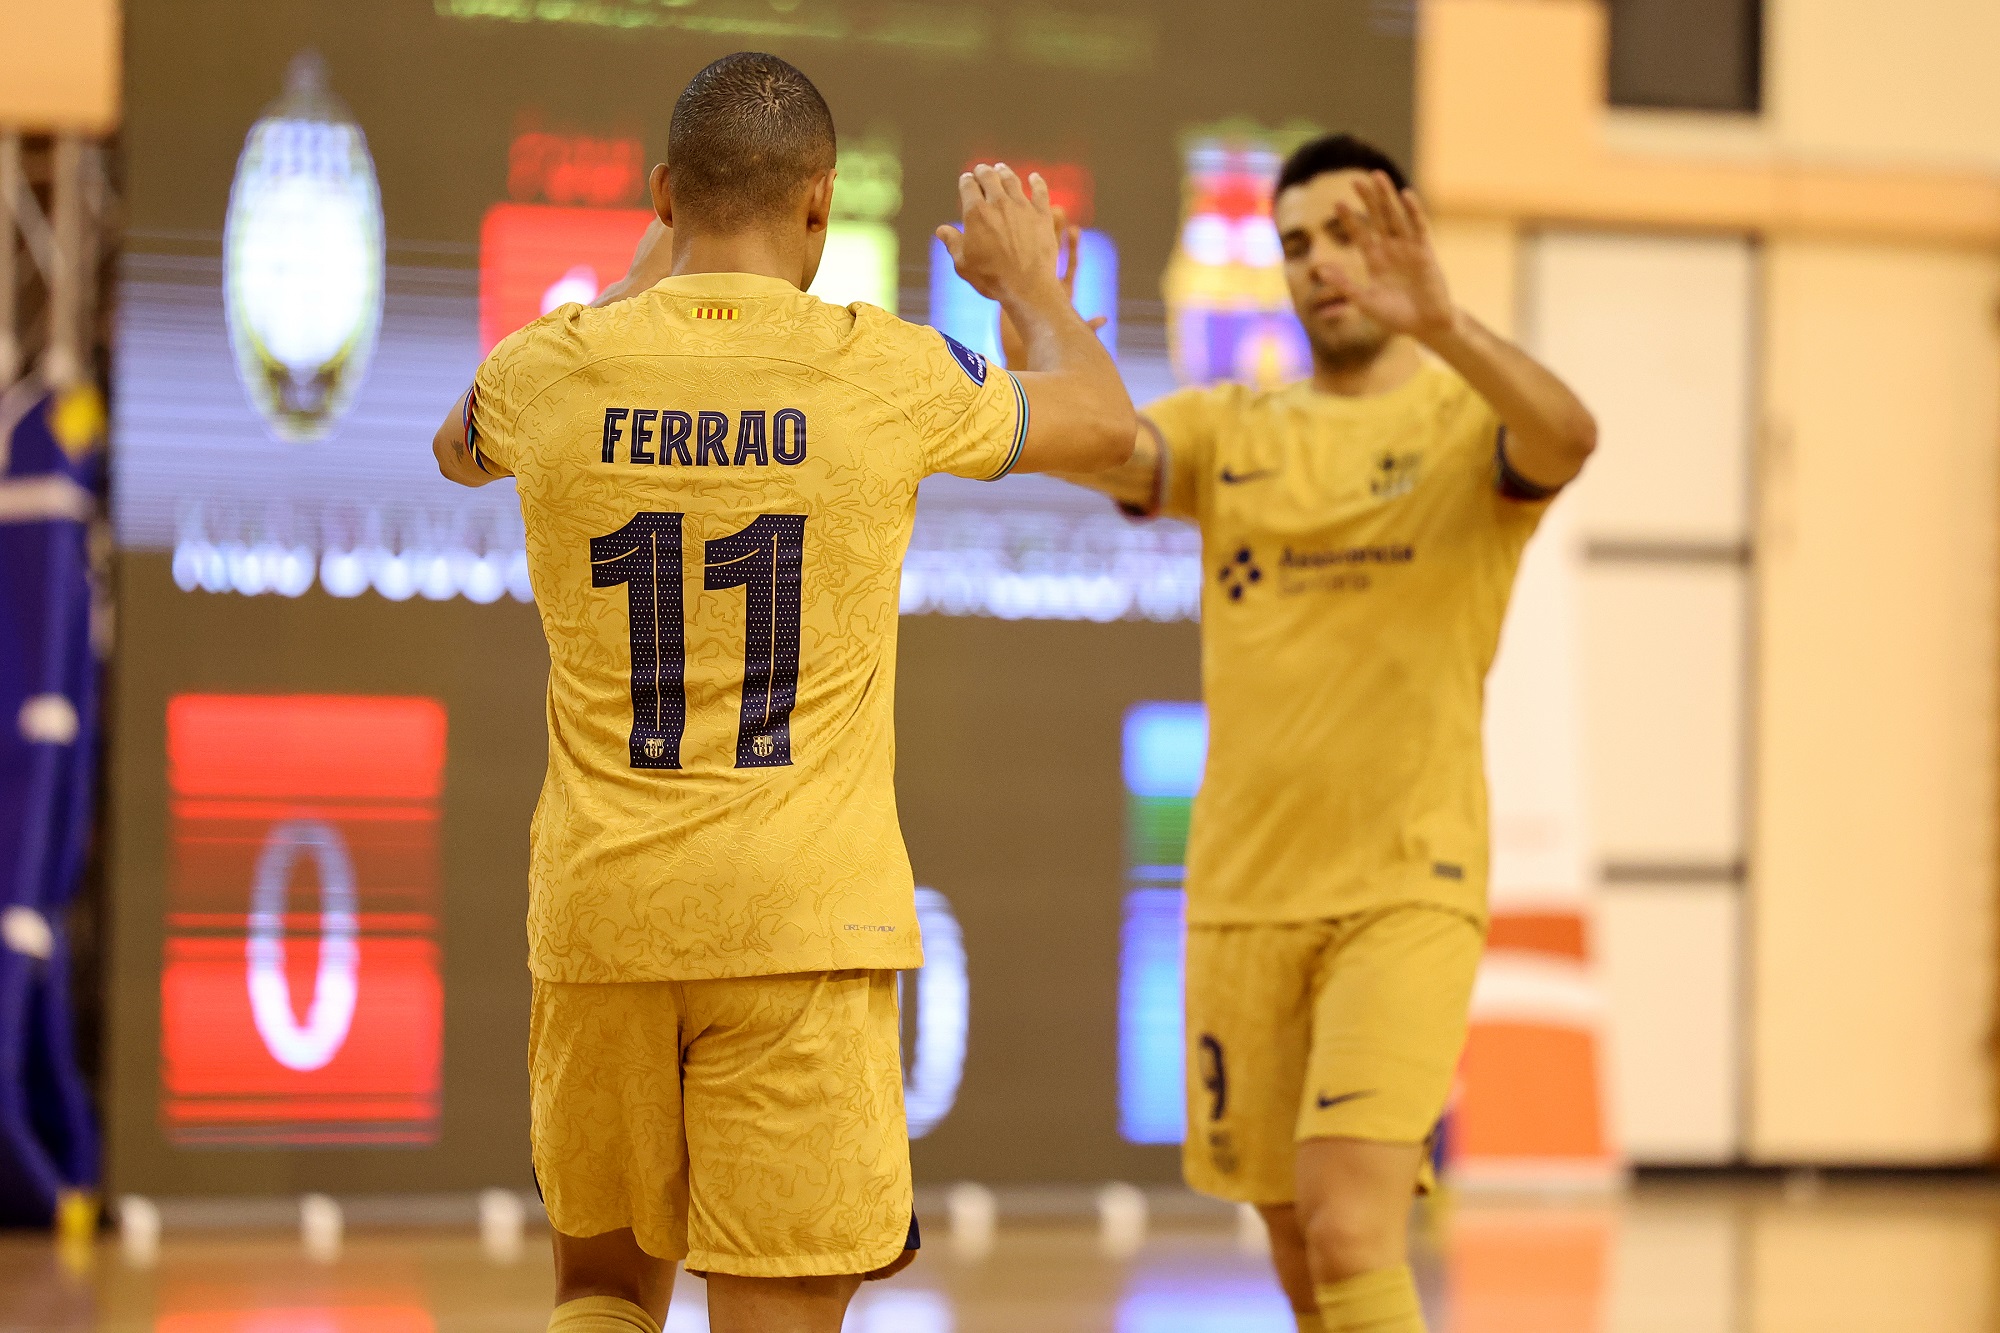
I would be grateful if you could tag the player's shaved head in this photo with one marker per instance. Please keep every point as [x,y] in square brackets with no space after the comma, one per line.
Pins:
[749,133]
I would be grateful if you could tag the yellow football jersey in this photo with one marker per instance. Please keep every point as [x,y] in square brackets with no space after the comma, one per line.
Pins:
[1359,558]
[718,479]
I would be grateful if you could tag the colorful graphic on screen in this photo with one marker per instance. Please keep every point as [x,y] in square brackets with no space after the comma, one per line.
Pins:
[578,210]
[535,257]
[301,999]
[1166,747]
[1228,314]
[862,257]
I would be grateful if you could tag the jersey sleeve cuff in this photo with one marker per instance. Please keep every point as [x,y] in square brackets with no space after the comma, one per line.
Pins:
[471,433]
[1021,426]
[1158,503]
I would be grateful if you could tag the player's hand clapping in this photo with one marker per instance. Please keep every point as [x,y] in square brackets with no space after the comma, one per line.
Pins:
[1077,414]
[1404,289]
[1008,246]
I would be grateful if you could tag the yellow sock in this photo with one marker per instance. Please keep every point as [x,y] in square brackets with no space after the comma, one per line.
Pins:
[1309,1323]
[1384,1301]
[601,1314]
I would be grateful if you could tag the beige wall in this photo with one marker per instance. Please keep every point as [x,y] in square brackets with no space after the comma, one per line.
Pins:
[1873,184]
[1873,940]
[1482,261]
[1511,122]
[1912,83]
[59,65]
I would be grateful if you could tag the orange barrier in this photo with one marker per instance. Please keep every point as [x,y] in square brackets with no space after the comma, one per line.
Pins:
[1531,1108]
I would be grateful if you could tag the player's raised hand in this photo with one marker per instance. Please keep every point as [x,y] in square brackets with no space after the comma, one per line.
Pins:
[1404,289]
[1008,245]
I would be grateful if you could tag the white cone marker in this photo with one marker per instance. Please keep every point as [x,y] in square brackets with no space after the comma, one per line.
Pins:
[502,1218]
[139,1230]
[320,1227]
[1252,1236]
[975,1217]
[1121,1220]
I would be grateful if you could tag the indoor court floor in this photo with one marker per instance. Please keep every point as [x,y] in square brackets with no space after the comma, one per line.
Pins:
[1701,1256]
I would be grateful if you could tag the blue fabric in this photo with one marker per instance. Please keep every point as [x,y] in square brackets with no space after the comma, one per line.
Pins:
[48,673]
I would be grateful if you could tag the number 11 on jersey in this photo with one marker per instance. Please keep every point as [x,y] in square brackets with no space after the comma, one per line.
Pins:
[765,559]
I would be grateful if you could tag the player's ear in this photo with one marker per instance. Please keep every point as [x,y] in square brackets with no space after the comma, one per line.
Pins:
[663,199]
[819,201]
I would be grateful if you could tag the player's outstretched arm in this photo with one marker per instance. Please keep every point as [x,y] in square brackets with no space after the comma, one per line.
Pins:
[1550,433]
[1134,483]
[1080,418]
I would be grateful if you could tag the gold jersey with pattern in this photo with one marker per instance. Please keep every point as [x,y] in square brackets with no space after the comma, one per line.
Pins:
[718,479]
[1359,557]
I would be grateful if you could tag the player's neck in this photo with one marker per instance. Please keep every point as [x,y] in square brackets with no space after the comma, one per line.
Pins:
[1390,368]
[761,253]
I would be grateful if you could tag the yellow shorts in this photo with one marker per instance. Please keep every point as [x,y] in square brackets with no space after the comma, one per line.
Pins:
[1349,1028]
[750,1126]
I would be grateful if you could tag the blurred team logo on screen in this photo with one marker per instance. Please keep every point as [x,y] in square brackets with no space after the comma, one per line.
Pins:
[1229,315]
[301,1001]
[302,258]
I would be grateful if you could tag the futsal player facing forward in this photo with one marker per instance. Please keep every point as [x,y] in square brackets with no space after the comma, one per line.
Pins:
[1361,532]
[718,475]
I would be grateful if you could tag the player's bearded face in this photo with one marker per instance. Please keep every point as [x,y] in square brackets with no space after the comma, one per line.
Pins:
[1318,251]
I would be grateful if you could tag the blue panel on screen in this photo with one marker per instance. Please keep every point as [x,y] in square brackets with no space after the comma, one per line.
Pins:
[1150,1041]
[1166,745]
[958,310]
[1097,284]
[963,313]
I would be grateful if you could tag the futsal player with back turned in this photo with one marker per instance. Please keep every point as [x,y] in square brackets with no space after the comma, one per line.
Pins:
[1360,532]
[717,475]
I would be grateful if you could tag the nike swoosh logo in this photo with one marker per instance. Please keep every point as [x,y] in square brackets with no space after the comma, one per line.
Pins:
[1327,1103]
[1238,478]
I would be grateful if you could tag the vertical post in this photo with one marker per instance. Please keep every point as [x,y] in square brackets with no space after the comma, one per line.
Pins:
[90,192]
[63,362]
[10,193]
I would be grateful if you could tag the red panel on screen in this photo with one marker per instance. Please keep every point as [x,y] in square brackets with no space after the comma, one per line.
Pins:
[536,255]
[300,992]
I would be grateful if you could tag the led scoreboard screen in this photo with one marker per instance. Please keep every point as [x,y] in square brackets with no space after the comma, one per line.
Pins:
[329,723]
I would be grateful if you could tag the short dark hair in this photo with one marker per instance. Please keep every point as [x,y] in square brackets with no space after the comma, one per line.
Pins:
[748,132]
[1336,152]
